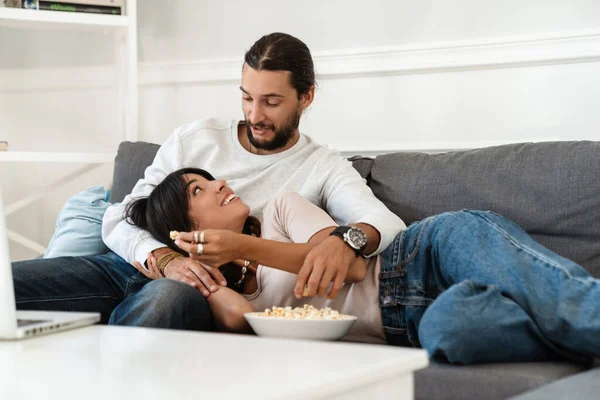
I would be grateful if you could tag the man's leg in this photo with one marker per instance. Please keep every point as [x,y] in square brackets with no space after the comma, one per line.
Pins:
[109,285]
[96,283]
[560,296]
[165,303]
[469,324]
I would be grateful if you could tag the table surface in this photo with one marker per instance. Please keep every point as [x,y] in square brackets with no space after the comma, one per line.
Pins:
[124,363]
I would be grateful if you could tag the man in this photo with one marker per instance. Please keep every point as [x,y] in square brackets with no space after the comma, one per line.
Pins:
[259,157]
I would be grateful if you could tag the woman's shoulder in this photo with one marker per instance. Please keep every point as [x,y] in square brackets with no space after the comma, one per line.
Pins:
[282,204]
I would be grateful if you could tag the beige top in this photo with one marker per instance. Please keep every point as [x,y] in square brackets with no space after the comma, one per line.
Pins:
[291,218]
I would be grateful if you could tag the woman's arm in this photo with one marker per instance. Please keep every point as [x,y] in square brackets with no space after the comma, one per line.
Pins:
[227,306]
[288,217]
[222,246]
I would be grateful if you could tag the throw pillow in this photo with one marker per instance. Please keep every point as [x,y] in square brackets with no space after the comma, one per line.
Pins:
[79,225]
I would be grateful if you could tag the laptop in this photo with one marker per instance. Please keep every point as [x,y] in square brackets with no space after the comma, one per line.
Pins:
[24,324]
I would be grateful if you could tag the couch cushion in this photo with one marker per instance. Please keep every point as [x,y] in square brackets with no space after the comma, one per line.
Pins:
[551,189]
[130,163]
[363,166]
[134,157]
[487,381]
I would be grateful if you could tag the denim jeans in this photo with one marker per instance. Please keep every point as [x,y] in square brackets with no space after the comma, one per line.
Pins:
[109,285]
[472,286]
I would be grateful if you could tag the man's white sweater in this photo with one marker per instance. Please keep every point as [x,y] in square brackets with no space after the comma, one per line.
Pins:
[319,174]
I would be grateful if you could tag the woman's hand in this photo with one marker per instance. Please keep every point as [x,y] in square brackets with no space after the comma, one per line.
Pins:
[220,246]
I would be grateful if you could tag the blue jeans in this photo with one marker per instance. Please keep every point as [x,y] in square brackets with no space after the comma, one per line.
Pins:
[109,285]
[472,287]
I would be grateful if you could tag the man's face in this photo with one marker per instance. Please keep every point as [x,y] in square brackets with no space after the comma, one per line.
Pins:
[271,108]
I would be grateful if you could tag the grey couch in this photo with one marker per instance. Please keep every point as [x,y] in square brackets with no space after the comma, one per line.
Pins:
[551,189]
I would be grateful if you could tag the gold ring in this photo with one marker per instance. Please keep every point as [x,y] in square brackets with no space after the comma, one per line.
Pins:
[199,249]
[195,237]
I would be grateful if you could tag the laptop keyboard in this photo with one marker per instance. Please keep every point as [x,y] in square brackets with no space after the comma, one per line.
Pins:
[26,322]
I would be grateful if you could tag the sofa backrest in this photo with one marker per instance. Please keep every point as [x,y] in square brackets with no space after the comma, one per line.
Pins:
[551,189]
[130,163]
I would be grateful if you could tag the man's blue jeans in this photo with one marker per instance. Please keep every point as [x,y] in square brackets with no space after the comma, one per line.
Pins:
[472,287]
[111,286]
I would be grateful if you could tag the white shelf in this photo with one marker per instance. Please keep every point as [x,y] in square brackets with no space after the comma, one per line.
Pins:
[35,156]
[21,18]
[123,29]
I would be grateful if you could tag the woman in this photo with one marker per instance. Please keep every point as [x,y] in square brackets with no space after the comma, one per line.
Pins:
[467,286]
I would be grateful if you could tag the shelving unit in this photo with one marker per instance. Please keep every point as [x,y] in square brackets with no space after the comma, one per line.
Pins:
[123,29]
[46,156]
[21,18]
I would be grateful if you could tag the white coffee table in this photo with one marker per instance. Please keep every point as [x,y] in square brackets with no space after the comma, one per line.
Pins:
[111,363]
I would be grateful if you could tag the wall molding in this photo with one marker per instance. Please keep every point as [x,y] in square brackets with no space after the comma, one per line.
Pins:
[471,55]
[571,47]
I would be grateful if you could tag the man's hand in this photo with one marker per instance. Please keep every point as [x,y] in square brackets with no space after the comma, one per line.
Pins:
[195,274]
[329,261]
[152,272]
[182,269]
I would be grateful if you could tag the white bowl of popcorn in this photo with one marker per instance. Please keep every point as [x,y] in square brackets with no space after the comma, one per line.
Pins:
[300,323]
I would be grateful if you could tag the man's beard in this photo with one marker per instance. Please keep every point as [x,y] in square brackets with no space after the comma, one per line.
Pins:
[281,136]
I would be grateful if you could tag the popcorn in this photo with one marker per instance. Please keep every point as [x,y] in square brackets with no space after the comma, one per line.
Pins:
[306,312]
[305,292]
[173,235]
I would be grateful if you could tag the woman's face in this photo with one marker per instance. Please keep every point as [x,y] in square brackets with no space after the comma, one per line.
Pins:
[213,205]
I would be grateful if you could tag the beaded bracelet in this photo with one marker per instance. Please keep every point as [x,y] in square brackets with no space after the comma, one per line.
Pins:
[243,277]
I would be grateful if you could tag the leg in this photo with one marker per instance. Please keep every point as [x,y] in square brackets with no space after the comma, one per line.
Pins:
[109,285]
[560,296]
[491,328]
[97,283]
[165,303]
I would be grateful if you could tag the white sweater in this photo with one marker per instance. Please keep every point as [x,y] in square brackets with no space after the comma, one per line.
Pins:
[319,174]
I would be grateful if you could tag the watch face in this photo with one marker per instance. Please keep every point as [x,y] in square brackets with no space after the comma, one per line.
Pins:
[356,238]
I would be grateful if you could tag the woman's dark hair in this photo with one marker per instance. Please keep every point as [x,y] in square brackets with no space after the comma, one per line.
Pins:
[282,52]
[166,210]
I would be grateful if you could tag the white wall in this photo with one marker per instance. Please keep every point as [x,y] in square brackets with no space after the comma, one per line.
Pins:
[429,75]
[395,75]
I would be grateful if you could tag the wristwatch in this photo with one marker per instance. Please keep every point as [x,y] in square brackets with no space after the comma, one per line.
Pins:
[353,237]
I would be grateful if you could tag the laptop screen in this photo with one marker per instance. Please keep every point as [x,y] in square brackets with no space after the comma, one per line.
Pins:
[8,315]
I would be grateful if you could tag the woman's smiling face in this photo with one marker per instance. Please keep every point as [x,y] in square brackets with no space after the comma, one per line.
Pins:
[213,205]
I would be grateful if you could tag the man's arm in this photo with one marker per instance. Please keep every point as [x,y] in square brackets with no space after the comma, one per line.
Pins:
[349,201]
[134,244]
[126,240]
[373,237]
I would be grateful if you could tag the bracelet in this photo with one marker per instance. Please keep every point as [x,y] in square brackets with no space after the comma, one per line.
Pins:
[243,277]
[166,259]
